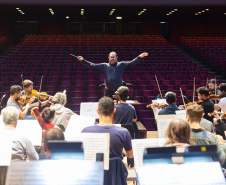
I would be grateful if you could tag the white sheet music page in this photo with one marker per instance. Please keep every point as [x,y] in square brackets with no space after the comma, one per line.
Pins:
[87,109]
[55,172]
[140,144]
[75,126]
[208,173]
[180,114]
[94,143]
[31,130]
[6,141]
[163,122]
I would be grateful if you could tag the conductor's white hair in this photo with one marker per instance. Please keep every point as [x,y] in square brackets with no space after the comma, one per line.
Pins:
[10,115]
[59,98]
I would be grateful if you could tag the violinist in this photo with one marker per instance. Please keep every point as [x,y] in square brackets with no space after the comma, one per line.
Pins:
[170,108]
[222,103]
[212,85]
[28,87]
[15,93]
[220,124]
[207,104]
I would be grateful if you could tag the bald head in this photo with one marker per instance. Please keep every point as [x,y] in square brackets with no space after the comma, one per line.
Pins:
[113,58]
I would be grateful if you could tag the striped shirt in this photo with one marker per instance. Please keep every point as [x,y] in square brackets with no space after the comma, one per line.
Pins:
[203,137]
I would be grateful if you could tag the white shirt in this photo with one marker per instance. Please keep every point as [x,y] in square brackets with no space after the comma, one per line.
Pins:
[222,104]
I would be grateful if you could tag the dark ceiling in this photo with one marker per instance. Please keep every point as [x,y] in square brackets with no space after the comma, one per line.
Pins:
[42,12]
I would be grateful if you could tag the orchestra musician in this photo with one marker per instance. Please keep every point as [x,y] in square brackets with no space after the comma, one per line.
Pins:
[15,94]
[28,87]
[222,103]
[112,71]
[212,85]
[207,104]
[170,108]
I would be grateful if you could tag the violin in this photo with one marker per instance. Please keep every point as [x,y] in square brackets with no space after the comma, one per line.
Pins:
[217,97]
[220,113]
[157,105]
[35,114]
[193,103]
[42,95]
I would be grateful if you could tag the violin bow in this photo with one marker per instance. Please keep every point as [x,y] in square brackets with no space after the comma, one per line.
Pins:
[73,55]
[159,88]
[22,81]
[183,98]
[215,89]
[40,88]
[194,91]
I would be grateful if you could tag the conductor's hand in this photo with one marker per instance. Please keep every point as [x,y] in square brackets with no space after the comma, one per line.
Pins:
[142,55]
[80,58]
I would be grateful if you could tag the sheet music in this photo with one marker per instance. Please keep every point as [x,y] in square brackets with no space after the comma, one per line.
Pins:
[163,122]
[180,116]
[118,125]
[1,122]
[75,126]
[208,173]
[94,143]
[86,109]
[57,172]
[31,130]
[140,144]
[6,141]
[130,102]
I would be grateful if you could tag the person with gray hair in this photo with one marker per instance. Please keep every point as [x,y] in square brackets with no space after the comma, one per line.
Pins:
[62,114]
[22,146]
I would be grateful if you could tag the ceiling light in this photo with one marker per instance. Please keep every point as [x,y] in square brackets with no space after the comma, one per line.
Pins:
[118,17]
[172,11]
[196,14]
[175,9]
[167,14]
[207,9]
[144,9]
[199,12]
[17,8]
[113,9]
[23,13]
[224,13]
[67,17]
[203,11]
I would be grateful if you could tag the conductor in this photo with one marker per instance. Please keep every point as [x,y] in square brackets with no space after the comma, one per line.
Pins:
[112,71]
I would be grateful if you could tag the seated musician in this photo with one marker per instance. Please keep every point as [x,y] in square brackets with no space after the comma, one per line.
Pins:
[51,134]
[28,87]
[212,85]
[22,146]
[62,114]
[119,137]
[171,108]
[199,136]
[222,103]
[15,93]
[207,104]
[125,113]
[178,133]
[220,124]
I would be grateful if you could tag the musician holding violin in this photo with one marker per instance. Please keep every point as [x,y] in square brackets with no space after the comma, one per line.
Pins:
[222,97]
[15,94]
[171,108]
[207,104]
[212,85]
[29,92]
